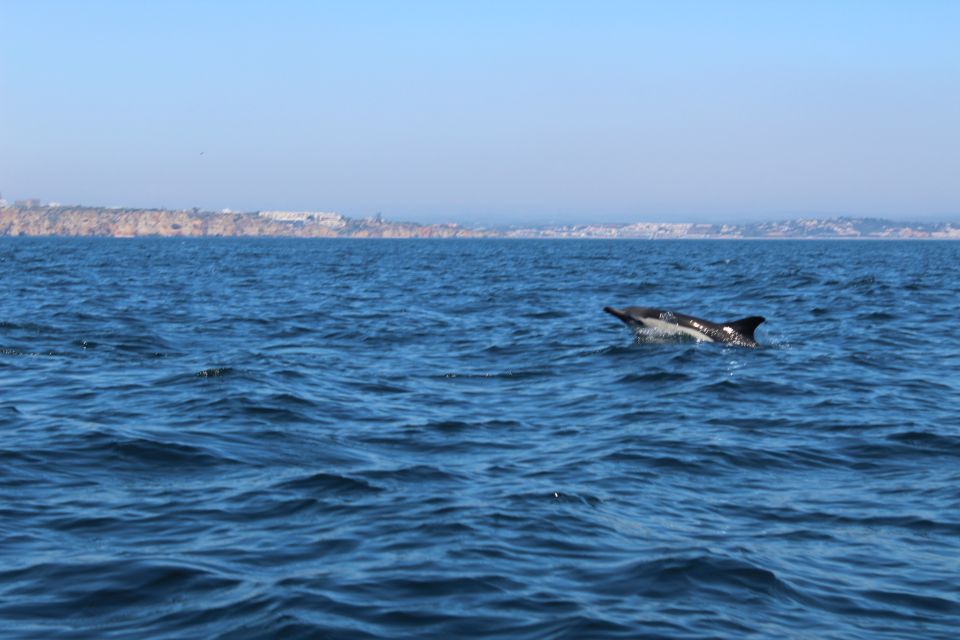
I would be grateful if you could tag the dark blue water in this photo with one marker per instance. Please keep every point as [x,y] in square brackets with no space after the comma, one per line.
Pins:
[411,439]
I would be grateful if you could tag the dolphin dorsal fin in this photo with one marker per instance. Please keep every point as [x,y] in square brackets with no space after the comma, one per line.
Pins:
[745,326]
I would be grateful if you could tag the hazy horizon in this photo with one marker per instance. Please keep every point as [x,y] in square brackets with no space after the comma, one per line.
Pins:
[501,113]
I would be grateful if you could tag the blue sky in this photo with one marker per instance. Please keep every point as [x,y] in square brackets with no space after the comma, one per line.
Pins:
[486,111]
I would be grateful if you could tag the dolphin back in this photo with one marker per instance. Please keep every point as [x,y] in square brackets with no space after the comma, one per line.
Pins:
[746,326]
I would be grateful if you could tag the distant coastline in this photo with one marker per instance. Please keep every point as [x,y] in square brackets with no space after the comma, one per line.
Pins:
[36,219]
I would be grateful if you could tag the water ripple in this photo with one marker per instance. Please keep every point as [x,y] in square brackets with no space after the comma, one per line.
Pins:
[363,439]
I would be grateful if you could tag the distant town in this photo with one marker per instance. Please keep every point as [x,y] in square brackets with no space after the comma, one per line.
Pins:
[36,218]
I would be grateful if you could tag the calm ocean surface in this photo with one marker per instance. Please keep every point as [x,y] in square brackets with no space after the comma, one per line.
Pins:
[450,439]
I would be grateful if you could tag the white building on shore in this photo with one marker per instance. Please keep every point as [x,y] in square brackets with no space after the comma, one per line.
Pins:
[321,218]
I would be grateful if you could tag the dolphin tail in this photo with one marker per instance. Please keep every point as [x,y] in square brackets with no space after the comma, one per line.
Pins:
[746,326]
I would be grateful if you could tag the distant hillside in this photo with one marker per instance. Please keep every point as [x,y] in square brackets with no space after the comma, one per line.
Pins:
[800,228]
[128,223]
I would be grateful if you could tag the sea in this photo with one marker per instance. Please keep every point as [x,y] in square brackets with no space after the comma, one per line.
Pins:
[364,439]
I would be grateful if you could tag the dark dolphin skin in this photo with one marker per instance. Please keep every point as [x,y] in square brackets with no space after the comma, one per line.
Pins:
[738,332]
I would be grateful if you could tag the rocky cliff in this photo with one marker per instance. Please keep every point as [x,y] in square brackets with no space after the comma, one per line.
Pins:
[128,223]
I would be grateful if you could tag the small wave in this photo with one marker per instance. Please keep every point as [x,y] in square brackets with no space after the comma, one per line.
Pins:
[26,353]
[461,425]
[877,316]
[935,442]
[382,387]
[556,496]
[897,451]
[912,601]
[512,375]
[105,449]
[214,372]
[151,346]
[673,577]
[656,376]
[733,387]
[647,461]
[329,483]
[95,589]
[414,474]
[152,452]
[546,314]
[830,521]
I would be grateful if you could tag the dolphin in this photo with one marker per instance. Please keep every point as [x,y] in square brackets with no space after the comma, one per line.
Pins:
[738,332]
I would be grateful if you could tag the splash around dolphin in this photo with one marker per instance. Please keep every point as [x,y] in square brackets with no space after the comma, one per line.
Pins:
[737,332]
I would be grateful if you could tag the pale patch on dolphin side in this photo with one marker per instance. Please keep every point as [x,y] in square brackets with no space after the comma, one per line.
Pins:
[672,328]
[737,332]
